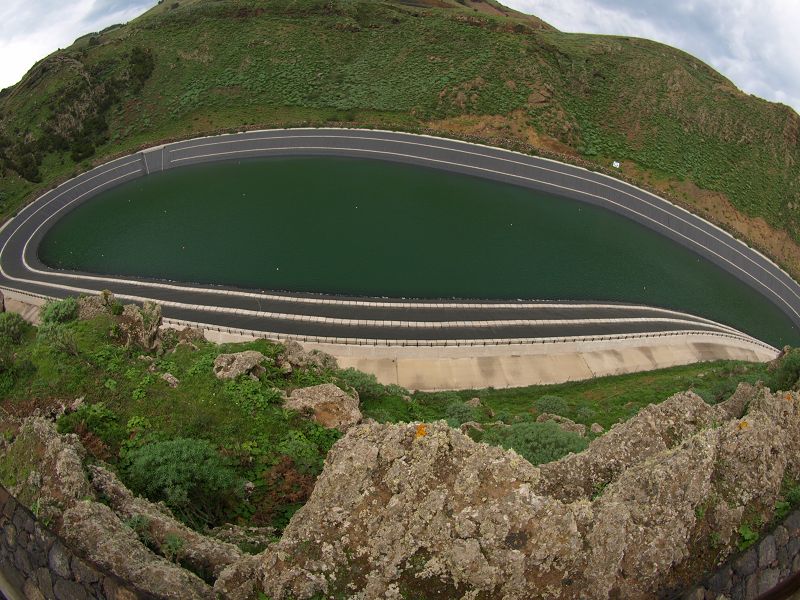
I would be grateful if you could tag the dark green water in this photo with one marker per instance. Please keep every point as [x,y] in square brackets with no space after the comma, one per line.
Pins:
[361,227]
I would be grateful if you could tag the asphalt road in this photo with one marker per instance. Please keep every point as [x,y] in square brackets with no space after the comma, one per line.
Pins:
[324,317]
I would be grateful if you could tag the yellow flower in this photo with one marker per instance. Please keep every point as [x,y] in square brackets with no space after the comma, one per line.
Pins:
[422,430]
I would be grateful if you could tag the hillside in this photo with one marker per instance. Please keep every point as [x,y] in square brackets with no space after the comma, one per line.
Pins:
[195,470]
[468,69]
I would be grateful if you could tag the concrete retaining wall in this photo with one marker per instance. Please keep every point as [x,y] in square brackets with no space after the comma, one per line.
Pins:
[35,564]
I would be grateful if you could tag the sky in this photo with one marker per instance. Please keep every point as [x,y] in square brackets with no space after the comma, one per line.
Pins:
[755,43]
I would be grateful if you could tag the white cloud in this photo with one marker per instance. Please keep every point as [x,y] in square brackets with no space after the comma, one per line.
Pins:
[752,42]
[32,29]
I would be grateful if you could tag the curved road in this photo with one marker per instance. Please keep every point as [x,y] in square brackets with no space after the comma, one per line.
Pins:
[324,318]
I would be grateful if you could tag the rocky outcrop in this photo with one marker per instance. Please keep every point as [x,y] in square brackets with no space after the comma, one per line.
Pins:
[563,423]
[90,307]
[94,530]
[231,366]
[200,553]
[327,404]
[295,357]
[656,428]
[141,326]
[46,468]
[420,506]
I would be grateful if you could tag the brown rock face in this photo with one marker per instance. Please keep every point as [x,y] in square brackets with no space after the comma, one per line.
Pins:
[401,508]
[328,405]
[230,366]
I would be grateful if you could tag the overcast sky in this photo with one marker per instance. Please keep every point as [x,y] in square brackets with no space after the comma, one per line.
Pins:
[755,43]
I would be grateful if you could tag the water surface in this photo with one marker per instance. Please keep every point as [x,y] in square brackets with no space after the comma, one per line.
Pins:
[371,228]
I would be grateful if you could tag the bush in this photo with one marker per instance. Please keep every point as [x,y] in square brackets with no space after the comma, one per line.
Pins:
[12,327]
[585,414]
[538,443]
[457,413]
[787,373]
[57,337]
[60,311]
[187,474]
[365,384]
[96,418]
[551,404]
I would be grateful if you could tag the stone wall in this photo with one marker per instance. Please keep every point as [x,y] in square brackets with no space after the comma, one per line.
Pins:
[39,566]
[770,561]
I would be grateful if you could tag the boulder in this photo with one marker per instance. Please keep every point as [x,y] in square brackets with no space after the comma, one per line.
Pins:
[171,380]
[141,326]
[597,429]
[295,357]
[230,366]
[327,404]
[473,402]
[563,423]
[465,427]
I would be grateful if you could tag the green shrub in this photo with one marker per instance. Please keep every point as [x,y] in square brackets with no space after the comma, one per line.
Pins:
[251,395]
[585,414]
[57,337]
[550,404]
[457,413]
[537,442]
[60,311]
[187,474]
[787,373]
[308,449]
[96,418]
[12,326]
[365,384]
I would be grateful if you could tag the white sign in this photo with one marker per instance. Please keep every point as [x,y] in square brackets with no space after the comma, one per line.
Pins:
[616,164]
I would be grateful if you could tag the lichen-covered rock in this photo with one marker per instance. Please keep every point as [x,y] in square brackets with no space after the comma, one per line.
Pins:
[327,404]
[231,366]
[563,423]
[90,307]
[141,326]
[656,428]
[295,357]
[202,553]
[96,532]
[597,429]
[46,468]
[400,508]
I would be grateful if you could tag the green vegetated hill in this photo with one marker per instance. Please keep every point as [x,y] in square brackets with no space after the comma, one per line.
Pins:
[468,69]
